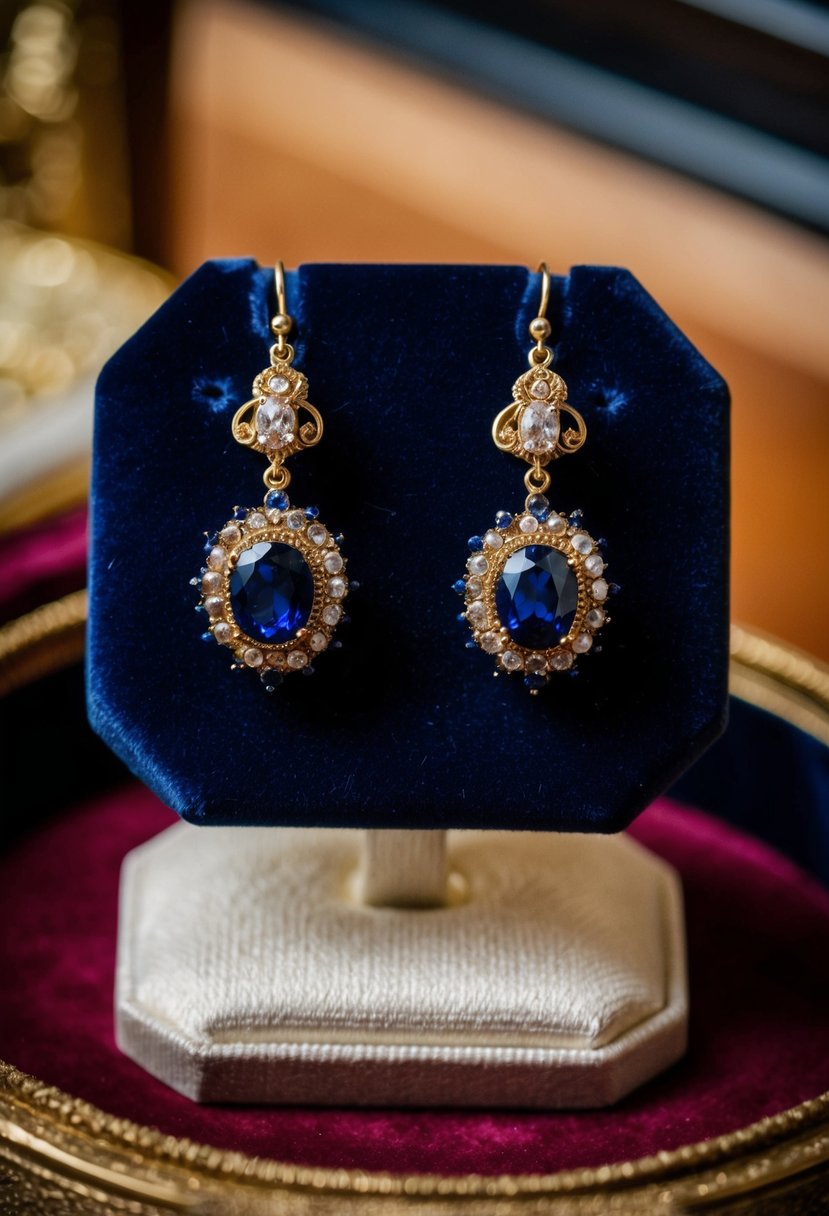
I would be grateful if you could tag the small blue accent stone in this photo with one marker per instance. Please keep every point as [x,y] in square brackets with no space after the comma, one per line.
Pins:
[503,519]
[271,679]
[476,543]
[471,646]
[277,500]
[311,512]
[575,518]
[207,637]
[537,596]
[459,585]
[239,513]
[538,506]
[535,681]
[461,616]
[271,592]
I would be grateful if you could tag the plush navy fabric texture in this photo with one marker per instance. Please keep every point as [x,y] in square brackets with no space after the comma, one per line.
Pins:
[404,727]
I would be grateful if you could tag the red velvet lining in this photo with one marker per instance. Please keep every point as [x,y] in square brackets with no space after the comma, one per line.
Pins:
[42,563]
[757,932]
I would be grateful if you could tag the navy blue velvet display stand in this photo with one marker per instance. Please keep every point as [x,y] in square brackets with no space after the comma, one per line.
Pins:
[404,727]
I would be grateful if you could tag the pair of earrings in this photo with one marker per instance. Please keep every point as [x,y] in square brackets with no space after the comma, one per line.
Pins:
[275,582]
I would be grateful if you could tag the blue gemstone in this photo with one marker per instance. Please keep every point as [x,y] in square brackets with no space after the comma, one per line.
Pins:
[271,592]
[537,596]
[311,512]
[538,506]
[459,585]
[503,519]
[575,518]
[277,500]
[239,512]
[476,543]
[535,681]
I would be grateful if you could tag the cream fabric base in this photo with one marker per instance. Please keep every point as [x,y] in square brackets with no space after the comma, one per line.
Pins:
[249,970]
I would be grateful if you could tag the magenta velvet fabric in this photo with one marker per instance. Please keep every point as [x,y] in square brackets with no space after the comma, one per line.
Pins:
[759,967]
[42,562]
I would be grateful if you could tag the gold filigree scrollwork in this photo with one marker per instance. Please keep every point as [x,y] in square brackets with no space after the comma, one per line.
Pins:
[544,393]
[279,430]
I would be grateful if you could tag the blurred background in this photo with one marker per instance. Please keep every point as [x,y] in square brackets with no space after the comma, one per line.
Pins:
[684,139]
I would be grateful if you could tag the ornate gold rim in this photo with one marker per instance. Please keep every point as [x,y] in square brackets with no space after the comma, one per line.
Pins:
[96,1161]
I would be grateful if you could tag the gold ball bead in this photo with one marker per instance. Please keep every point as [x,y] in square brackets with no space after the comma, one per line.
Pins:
[281,324]
[539,328]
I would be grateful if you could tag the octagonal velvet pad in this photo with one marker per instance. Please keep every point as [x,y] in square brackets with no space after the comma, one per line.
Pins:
[404,726]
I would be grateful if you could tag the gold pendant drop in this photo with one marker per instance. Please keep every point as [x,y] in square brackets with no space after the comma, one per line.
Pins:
[535,586]
[275,580]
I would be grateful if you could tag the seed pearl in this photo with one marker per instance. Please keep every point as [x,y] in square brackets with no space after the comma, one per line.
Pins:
[253,657]
[333,563]
[217,558]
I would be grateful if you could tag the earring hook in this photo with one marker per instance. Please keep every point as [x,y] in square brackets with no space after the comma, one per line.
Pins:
[540,355]
[281,324]
[545,289]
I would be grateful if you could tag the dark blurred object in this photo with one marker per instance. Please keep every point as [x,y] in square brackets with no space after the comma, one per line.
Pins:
[732,92]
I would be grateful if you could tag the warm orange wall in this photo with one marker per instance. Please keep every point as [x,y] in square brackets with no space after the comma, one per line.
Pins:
[291,143]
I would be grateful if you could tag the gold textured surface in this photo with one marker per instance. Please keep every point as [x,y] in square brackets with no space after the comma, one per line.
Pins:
[61,1155]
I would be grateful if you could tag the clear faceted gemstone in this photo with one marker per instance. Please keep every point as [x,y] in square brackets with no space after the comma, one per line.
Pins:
[582,643]
[217,558]
[474,588]
[491,642]
[477,564]
[317,534]
[511,660]
[536,665]
[274,516]
[222,632]
[595,618]
[562,661]
[275,423]
[528,523]
[493,539]
[581,542]
[297,659]
[540,389]
[253,657]
[557,524]
[599,589]
[331,613]
[230,534]
[476,612]
[295,520]
[318,641]
[538,427]
[214,606]
[336,588]
[594,564]
[333,563]
[280,385]
[211,582]
[537,596]
[256,520]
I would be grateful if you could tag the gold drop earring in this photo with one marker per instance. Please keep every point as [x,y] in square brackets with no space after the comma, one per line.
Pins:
[274,579]
[535,586]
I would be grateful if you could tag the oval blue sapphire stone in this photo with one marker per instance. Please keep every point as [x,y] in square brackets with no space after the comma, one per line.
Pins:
[271,592]
[537,596]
